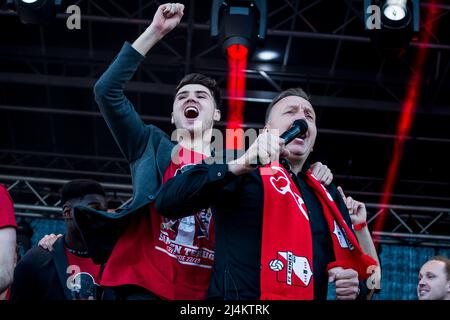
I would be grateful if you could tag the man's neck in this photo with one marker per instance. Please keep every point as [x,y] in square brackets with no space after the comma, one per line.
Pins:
[199,143]
[74,241]
[296,164]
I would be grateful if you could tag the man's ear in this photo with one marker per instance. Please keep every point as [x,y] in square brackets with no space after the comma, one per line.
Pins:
[67,212]
[217,115]
[171,119]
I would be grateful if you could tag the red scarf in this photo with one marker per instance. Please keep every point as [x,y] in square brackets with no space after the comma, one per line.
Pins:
[286,249]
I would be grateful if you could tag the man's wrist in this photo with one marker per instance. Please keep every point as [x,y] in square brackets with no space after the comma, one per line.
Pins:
[238,168]
[360,226]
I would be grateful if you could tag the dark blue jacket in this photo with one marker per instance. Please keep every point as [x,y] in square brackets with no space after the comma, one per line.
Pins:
[146,147]
[42,275]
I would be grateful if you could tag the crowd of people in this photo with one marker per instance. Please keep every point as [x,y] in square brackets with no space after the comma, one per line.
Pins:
[201,225]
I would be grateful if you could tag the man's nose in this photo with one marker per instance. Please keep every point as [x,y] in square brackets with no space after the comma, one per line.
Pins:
[300,113]
[192,97]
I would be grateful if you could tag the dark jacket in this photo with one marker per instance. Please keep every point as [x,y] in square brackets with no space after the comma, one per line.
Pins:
[42,275]
[146,147]
[237,204]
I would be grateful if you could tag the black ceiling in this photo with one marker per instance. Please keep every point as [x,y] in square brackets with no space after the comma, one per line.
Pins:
[50,125]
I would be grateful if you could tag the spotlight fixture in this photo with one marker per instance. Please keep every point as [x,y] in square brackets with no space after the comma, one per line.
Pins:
[394,22]
[395,14]
[395,10]
[239,22]
[35,11]
[267,55]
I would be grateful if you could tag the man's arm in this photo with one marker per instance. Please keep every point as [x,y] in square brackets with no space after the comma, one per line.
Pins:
[358,216]
[26,274]
[203,185]
[197,188]
[7,256]
[166,18]
[127,127]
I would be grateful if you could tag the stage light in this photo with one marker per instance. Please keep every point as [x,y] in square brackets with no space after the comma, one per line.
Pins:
[241,22]
[395,14]
[35,11]
[267,55]
[395,10]
[392,24]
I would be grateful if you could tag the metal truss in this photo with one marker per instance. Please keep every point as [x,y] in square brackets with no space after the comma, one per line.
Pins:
[40,198]
[281,25]
[412,225]
[287,23]
[69,165]
[72,166]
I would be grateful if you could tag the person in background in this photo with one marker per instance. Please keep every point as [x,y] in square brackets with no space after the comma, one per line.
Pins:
[67,272]
[434,279]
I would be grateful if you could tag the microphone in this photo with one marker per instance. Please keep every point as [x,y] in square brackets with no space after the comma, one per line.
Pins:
[298,128]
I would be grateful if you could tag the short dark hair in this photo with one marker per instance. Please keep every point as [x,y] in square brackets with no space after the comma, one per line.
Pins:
[78,188]
[299,92]
[446,261]
[198,78]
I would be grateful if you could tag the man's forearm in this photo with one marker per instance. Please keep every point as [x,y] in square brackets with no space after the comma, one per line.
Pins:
[366,243]
[147,40]
[195,189]
[368,247]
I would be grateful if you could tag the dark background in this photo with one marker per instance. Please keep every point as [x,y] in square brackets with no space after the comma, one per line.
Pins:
[50,125]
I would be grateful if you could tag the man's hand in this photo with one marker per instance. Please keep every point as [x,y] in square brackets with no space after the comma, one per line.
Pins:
[267,148]
[48,241]
[357,209]
[322,173]
[166,18]
[347,284]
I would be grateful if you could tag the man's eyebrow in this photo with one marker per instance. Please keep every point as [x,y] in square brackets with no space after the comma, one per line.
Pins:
[296,106]
[308,108]
[197,92]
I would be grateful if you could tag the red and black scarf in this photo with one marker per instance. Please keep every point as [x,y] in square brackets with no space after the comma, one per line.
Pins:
[286,249]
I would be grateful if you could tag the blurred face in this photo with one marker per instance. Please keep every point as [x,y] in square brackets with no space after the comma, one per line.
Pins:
[95,201]
[433,282]
[284,113]
[194,107]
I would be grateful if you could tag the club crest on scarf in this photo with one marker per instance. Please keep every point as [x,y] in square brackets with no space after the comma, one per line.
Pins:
[291,269]
[342,237]
[280,181]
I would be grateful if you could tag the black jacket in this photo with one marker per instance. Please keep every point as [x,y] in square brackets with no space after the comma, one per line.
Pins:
[42,275]
[237,203]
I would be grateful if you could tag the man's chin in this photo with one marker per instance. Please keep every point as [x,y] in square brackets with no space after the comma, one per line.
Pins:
[298,152]
[425,297]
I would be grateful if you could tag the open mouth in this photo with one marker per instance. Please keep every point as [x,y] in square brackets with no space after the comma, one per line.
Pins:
[423,291]
[191,112]
[301,138]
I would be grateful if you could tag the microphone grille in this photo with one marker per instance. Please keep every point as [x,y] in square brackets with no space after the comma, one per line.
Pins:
[302,124]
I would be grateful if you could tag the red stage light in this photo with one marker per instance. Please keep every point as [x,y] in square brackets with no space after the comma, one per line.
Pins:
[237,63]
[406,117]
